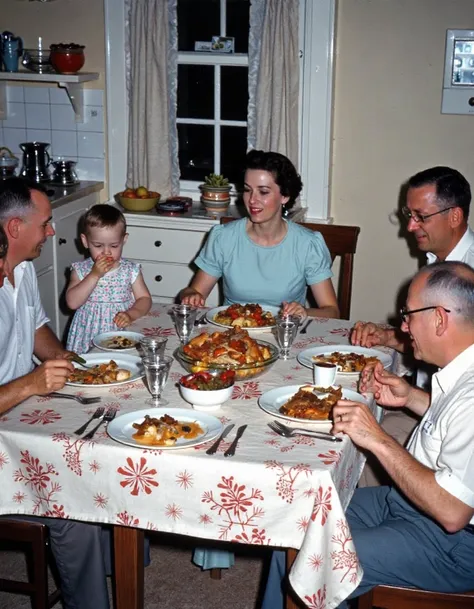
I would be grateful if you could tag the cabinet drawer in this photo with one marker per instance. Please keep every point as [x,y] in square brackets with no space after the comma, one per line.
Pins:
[164,279]
[165,245]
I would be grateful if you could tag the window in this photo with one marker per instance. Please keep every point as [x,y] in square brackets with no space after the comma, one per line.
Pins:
[317,40]
[212,90]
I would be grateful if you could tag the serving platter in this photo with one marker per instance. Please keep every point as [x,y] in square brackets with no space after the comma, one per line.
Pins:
[121,428]
[271,401]
[101,341]
[271,309]
[123,360]
[305,357]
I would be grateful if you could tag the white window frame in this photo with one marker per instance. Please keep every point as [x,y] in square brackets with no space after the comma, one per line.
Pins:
[317,31]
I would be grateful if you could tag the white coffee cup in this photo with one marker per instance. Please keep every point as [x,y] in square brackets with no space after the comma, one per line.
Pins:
[324,374]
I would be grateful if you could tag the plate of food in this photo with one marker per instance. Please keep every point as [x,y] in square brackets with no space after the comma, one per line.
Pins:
[117,341]
[306,403]
[164,428]
[351,359]
[252,317]
[102,370]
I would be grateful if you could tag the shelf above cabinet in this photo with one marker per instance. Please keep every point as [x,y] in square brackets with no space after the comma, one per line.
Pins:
[73,83]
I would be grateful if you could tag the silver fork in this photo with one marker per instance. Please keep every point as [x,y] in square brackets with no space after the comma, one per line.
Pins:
[108,416]
[201,321]
[304,329]
[78,398]
[97,414]
[288,432]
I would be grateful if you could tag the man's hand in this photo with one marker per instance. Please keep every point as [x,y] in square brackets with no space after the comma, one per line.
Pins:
[50,376]
[357,421]
[102,265]
[193,297]
[369,334]
[122,319]
[294,308]
[388,389]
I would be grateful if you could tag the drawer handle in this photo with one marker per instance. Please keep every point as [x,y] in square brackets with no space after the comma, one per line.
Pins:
[158,278]
[157,243]
[62,241]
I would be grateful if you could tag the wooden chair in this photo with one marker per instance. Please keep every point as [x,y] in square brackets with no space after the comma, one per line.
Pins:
[34,539]
[342,242]
[391,597]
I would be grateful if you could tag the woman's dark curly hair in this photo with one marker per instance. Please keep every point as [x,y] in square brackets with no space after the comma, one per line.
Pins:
[282,170]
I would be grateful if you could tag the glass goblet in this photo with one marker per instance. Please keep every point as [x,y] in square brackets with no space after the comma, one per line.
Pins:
[153,346]
[157,370]
[184,316]
[286,328]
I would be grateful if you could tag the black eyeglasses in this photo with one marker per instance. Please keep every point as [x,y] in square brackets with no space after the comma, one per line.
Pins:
[404,312]
[420,218]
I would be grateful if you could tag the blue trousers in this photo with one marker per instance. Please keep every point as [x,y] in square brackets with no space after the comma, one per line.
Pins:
[396,545]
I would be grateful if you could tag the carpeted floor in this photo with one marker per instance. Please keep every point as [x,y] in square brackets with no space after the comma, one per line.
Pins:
[172,581]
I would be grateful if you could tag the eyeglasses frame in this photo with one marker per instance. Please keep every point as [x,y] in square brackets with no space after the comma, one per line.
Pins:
[404,312]
[408,214]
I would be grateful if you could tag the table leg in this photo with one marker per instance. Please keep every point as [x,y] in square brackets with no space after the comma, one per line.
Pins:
[291,600]
[129,571]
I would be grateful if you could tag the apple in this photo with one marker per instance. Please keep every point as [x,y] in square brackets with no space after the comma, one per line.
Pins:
[127,192]
[141,192]
[129,195]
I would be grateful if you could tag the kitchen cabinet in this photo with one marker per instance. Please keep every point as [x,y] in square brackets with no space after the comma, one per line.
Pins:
[47,290]
[166,247]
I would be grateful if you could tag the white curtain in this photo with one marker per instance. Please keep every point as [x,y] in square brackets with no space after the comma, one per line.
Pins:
[152,61]
[276,100]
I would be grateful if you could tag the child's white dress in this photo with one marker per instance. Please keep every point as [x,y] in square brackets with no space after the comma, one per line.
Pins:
[113,293]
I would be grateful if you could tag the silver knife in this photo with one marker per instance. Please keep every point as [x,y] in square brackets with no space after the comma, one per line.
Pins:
[213,449]
[230,452]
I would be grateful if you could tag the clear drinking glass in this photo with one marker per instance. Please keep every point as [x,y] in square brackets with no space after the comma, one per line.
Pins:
[286,329]
[184,316]
[157,370]
[153,346]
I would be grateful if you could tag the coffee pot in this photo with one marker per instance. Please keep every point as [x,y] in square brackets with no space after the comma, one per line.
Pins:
[11,49]
[35,161]
[64,173]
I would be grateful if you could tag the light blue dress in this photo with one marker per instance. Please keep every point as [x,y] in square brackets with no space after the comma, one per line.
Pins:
[267,275]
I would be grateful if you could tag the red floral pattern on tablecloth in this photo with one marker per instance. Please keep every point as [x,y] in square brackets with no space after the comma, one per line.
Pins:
[45,469]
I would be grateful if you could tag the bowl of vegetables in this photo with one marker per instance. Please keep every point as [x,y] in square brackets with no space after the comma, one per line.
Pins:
[207,390]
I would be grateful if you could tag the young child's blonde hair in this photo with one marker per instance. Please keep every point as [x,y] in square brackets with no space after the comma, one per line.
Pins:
[103,215]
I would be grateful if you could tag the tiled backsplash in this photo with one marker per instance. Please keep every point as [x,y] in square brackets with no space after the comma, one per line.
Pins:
[44,114]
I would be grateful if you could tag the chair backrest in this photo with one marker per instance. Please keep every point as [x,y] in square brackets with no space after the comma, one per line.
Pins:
[341,242]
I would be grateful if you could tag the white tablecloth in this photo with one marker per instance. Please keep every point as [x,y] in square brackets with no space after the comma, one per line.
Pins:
[287,492]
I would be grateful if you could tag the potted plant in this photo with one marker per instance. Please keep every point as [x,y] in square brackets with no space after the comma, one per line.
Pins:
[215,192]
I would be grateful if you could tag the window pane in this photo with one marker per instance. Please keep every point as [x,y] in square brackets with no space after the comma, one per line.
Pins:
[196,151]
[197,20]
[234,93]
[195,91]
[238,23]
[234,148]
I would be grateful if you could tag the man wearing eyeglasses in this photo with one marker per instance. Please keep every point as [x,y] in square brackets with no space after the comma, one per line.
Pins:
[419,532]
[436,212]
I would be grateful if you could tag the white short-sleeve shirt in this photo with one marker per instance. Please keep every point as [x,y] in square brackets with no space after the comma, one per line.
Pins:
[444,440]
[21,314]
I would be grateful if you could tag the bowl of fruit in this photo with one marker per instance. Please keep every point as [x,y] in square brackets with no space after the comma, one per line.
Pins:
[207,390]
[138,199]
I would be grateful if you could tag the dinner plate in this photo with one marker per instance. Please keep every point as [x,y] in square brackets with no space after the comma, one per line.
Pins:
[213,312]
[306,357]
[121,428]
[123,360]
[100,341]
[271,402]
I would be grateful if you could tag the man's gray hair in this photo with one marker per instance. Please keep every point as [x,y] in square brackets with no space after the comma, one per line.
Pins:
[451,284]
[15,198]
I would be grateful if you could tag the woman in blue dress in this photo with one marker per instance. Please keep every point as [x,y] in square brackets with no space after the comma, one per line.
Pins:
[264,259]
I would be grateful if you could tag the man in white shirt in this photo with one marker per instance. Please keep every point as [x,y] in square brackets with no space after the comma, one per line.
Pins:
[437,211]
[419,533]
[25,216]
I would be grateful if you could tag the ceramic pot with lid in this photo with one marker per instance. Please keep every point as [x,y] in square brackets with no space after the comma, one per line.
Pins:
[8,163]
[36,161]
[64,173]
[67,58]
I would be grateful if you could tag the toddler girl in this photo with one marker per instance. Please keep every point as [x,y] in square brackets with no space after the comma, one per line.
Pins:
[106,291]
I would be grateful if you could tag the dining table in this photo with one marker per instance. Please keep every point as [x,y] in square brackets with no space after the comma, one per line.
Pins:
[280,492]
